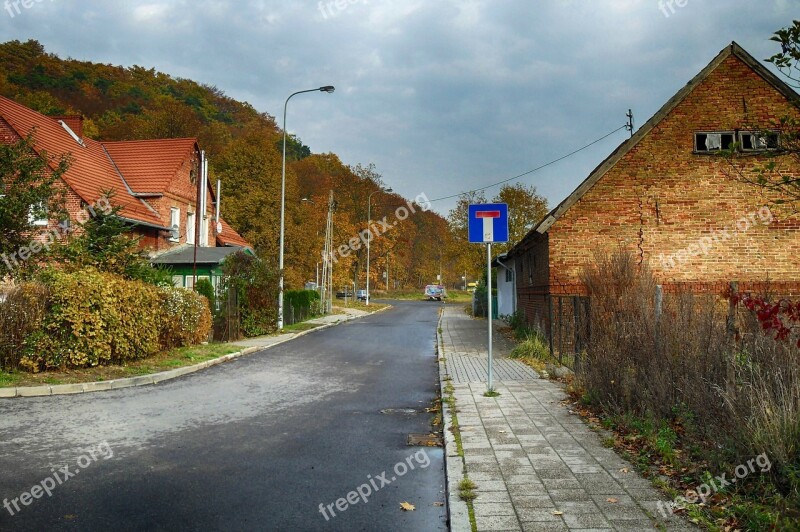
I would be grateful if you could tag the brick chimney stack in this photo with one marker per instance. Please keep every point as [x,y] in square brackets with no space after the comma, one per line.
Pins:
[75,123]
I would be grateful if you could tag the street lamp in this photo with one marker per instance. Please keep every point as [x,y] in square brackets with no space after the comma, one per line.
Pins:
[369,229]
[329,89]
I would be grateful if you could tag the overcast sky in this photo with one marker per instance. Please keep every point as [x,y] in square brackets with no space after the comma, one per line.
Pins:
[442,95]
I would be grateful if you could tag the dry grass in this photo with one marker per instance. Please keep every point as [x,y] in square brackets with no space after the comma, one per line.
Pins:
[730,396]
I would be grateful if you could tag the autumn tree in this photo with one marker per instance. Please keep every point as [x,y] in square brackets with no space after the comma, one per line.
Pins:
[28,192]
[526,208]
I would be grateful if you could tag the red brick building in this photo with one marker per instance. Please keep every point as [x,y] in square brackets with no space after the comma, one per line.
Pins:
[155,182]
[666,195]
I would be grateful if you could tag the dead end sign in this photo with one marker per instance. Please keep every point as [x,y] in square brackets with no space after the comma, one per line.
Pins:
[488,223]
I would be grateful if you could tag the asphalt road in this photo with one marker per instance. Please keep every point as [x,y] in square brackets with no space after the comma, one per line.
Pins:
[258,443]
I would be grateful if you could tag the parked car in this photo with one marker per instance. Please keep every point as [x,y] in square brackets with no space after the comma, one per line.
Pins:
[361,295]
[341,294]
[435,292]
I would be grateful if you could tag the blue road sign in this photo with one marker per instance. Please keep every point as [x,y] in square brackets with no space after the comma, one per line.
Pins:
[488,223]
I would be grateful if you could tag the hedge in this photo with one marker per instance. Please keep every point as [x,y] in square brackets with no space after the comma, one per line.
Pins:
[91,318]
[302,300]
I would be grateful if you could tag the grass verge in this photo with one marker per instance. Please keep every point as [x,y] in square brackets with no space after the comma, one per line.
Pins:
[175,358]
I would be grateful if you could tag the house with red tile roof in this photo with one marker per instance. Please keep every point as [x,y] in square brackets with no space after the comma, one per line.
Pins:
[156,183]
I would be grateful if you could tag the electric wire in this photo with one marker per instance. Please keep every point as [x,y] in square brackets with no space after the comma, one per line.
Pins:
[554,161]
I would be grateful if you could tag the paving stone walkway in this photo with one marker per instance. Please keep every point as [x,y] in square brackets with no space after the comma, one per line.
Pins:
[537,466]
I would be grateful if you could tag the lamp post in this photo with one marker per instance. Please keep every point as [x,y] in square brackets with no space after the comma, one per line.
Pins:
[329,89]
[369,230]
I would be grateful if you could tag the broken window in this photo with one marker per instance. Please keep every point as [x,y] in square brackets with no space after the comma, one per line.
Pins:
[713,141]
[758,141]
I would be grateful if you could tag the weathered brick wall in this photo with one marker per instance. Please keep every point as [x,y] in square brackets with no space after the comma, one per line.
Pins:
[662,200]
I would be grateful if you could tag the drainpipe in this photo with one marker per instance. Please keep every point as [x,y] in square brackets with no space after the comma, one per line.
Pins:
[514,280]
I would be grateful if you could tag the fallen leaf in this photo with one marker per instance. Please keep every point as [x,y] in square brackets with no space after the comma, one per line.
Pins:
[407,506]
[624,470]
[556,512]
[438,503]
[612,500]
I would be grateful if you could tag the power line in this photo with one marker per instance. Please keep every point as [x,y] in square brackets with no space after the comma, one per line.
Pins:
[554,161]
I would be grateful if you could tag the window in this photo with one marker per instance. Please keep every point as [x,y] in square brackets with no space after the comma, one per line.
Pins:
[713,141]
[509,277]
[190,227]
[37,216]
[175,224]
[758,141]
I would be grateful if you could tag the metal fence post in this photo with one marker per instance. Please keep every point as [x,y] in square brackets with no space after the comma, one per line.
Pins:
[560,329]
[576,311]
[550,322]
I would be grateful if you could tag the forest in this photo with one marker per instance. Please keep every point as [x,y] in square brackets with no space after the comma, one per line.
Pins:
[244,148]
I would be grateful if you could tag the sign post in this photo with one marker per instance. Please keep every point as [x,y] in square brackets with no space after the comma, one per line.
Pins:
[488,224]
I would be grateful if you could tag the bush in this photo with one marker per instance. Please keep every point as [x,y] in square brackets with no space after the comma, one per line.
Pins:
[186,318]
[533,346]
[205,288]
[91,318]
[95,318]
[21,316]
[302,304]
[256,286]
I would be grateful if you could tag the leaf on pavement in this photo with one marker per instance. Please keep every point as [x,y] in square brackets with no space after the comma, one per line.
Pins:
[407,506]
[612,500]
[438,503]
[556,512]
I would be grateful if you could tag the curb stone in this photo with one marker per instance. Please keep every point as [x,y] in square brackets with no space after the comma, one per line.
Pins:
[457,510]
[163,376]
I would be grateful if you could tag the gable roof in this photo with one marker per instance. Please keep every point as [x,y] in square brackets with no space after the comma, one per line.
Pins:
[731,50]
[229,237]
[128,168]
[91,171]
[150,165]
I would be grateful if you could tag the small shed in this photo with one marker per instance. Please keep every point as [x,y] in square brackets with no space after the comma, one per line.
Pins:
[209,262]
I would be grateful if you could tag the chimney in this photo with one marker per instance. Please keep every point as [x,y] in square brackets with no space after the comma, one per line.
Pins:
[74,122]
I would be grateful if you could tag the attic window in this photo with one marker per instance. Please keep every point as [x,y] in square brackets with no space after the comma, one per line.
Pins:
[713,141]
[758,141]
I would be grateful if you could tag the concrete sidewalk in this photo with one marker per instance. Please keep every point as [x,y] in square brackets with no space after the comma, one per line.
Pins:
[329,320]
[537,466]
